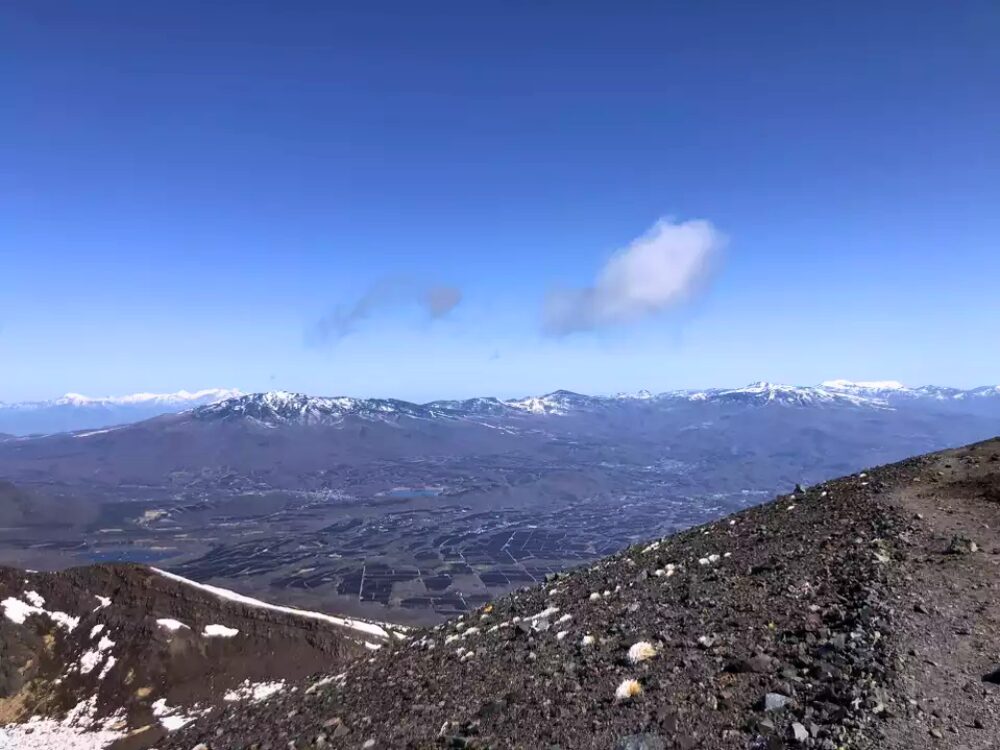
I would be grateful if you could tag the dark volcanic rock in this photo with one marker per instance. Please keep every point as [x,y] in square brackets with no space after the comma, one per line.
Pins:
[127,637]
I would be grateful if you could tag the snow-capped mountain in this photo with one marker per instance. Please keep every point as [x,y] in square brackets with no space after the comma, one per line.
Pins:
[864,386]
[485,406]
[893,391]
[762,392]
[182,399]
[75,411]
[558,402]
[282,407]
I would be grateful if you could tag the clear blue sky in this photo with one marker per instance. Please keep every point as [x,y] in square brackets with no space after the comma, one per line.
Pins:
[188,188]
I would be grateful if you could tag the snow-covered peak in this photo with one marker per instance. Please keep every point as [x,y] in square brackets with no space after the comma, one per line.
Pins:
[207,395]
[284,407]
[894,391]
[75,411]
[986,391]
[179,399]
[480,406]
[762,392]
[536,405]
[642,395]
[557,402]
[864,385]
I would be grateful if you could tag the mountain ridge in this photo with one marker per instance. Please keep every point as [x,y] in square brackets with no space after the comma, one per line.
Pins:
[74,412]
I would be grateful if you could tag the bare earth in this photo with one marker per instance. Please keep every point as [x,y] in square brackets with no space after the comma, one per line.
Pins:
[947,629]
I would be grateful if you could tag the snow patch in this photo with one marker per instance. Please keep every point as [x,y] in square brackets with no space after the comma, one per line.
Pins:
[95,656]
[170,717]
[77,730]
[255,692]
[107,667]
[18,611]
[359,625]
[171,624]
[35,598]
[220,631]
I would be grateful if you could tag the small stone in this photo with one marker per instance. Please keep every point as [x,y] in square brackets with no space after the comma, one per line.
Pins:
[341,731]
[369,743]
[936,733]
[758,664]
[644,741]
[799,732]
[491,708]
[961,545]
[775,701]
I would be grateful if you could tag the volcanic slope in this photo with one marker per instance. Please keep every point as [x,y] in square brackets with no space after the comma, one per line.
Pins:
[128,653]
[856,613]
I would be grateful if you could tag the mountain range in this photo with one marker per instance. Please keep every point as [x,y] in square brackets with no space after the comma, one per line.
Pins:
[74,412]
[288,440]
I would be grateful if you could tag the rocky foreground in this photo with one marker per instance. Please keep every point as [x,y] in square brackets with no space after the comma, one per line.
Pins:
[125,654]
[860,613]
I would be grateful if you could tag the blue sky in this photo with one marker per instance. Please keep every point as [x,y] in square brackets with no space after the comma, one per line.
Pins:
[187,189]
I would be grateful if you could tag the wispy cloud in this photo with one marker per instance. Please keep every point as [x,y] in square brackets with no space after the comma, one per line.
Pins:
[441,300]
[661,269]
[436,302]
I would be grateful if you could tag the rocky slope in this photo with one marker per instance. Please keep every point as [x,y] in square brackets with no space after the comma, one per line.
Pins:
[857,613]
[119,651]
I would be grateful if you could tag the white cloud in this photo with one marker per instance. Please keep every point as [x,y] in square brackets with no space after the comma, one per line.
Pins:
[659,270]
[436,301]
